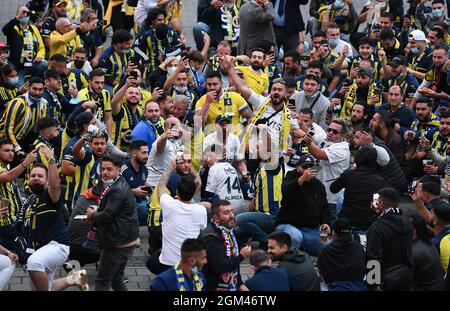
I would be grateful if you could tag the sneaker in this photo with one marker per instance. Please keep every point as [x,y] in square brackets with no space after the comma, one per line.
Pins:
[67,267]
[81,280]
[125,279]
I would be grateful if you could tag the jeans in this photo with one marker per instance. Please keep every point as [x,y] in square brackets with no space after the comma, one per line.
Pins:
[307,238]
[142,211]
[112,267]
[7,236]
[333,213]
[257,224]
[35,70]
[7,268]
[198,30]
[339,204]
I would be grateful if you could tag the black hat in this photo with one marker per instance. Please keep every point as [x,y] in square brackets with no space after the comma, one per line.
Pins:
[431,187]
[306,160]
[52,73]
[442,210]
[342,226]
[83,118]
[366,71]
[221,118]
[398,60]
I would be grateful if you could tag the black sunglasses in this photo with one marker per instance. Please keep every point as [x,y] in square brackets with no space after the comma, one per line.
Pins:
[279,80]
[335,132]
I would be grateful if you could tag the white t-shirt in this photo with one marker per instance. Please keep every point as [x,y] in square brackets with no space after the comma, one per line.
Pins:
[338,161]
[274,124]
[142,9]
[181,221]
[340,46]
[232,145]
[223,180]
[158,163]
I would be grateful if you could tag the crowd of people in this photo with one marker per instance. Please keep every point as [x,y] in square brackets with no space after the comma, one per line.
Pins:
[275,139]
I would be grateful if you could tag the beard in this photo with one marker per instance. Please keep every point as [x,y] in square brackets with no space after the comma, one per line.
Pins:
[142,161]
[256,66]
[356,121]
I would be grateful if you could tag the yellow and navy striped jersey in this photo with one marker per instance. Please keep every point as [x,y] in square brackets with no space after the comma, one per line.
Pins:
[155,216]
[145,97]
[439,143]
[268,193]
[67,156]
[377,65]
[104,99]
[114,65]
[20,117]
[123,124]
[444,250]
[87,172]
[430,125]
[10,191]
[80,77]
[151,50]
[6,94]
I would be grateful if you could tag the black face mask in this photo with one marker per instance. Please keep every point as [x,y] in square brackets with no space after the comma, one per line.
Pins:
[37,188]
[78,63]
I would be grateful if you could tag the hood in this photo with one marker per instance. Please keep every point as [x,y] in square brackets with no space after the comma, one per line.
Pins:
[296,256]
[398,223]
[366,157]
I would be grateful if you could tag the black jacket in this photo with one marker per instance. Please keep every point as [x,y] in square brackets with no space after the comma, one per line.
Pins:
[116,218]
[271,279]
[218,262]
[304,206]
[301,268]
[360,184]
[293,22]
[392,172]
[428,271]
[389,241]
[342,260]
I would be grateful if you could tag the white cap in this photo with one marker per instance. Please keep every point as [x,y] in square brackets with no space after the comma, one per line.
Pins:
[417,35]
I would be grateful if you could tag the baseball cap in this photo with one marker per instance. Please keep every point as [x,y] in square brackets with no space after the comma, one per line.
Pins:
[417,35]
[366,71]
[59,3]
[223,118]
[306,160]
[342,226]
[398,60]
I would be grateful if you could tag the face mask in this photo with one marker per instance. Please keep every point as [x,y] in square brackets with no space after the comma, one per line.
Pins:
[415,50]
[37,188]
[333,42]
[108,182]
[437,13]
[400,75]
[34,100]
[171,70]
[24,20]
[313,95]
[13,81]
[194,270]
[180,89]
[339,4]
[229,6]
[125,51]
[78,63]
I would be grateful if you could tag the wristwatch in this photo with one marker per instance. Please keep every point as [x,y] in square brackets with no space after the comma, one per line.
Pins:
[52,161]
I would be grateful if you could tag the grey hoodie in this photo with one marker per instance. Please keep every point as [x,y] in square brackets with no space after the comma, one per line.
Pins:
[301,268]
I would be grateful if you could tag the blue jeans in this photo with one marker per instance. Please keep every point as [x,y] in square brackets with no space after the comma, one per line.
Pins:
[257,224]
[142,211]
[307,238]
[198,30]
[7,236]
[36,70]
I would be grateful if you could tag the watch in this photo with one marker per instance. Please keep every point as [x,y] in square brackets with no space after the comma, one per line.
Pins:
[52,161]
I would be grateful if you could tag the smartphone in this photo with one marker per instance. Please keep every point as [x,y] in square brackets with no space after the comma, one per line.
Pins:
[252,244]
[291,102]
[133,74]
[80,217]
[73,83]
[147,189]
[132,59]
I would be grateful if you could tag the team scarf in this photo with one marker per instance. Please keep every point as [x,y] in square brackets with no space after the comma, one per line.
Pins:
[228,280]
[350,99]
[285,126]
[182,283]
[230,25]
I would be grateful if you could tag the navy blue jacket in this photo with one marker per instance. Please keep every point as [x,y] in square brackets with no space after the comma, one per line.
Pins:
[167,281]
[271,279]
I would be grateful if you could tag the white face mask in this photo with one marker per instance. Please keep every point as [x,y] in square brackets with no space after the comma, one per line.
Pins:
[229,6]
[108,182]
[180,89]
[171,70]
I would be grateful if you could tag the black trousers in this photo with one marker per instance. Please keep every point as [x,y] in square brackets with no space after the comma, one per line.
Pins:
[112,267]
[288,41]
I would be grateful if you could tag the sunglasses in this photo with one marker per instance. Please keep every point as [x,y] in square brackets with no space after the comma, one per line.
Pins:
[279,80]
[335,132]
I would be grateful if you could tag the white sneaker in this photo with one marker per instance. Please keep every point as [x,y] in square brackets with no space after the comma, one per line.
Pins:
[81,280]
